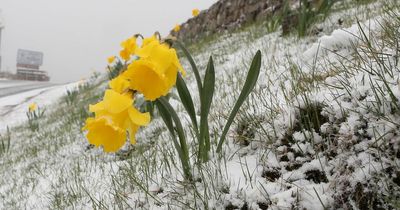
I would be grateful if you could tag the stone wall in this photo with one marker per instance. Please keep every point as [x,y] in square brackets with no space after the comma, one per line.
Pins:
[226,15]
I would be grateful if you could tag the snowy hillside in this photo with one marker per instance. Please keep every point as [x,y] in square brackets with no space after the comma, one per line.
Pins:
[320,130]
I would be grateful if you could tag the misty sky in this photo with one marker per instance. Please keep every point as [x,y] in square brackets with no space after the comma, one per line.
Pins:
[77,36]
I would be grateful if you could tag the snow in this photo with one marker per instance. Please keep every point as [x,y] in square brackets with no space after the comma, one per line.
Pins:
[13,108]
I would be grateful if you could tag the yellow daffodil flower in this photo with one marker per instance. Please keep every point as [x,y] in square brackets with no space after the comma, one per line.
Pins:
[114,114]
[32,107]
[195,12]
[148,40]
[128,48]
[120,108]
[119,84]
[111,59]
[125,55]
[146,79]
[154,74]
[102,132]
[177,28]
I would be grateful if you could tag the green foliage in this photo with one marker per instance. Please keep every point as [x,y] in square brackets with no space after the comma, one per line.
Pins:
[206,98]
[273,23]
[171,118]
[193,65]
[34,117]
[5,142]
[249,85]
[187,100]
[71,96]
[115,70]
[306,15]
[206,91]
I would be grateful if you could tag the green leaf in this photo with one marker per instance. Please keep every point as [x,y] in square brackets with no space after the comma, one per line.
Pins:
[165,116]
[181,147]
[251,80]
[187,101]
[168,122]
[193,64]
[206,100]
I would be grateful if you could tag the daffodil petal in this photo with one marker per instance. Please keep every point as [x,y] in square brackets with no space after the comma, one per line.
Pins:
[178,64]
[120,84]
[146,50]
[149,40]
[97,107]
[162,56]
[87,123]
[145,79]
[137,117]
[102,133]
[170,76]
[132,132]
[115,102]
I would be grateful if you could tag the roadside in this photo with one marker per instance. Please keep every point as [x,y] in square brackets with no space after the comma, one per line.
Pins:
[11,87]
[14,101]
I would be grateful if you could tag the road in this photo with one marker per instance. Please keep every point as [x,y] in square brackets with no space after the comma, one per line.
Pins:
[11,87]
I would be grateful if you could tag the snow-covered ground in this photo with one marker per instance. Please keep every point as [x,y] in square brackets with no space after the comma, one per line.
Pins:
[272,159]
[13,107]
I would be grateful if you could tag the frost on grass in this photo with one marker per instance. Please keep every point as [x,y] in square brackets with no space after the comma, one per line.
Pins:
[320,131]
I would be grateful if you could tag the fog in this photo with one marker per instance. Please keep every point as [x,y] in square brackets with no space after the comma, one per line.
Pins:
[77,36]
